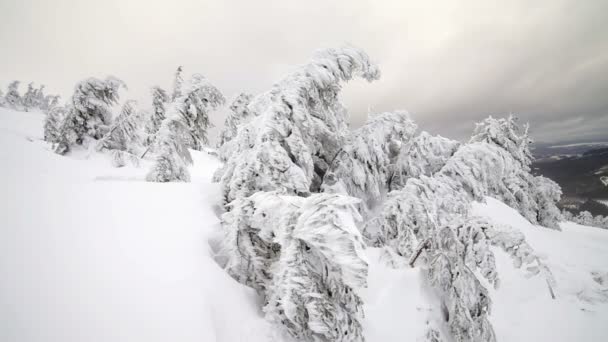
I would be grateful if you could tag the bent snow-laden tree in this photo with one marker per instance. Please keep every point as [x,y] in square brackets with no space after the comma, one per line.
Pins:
[361,168]
[89,116]
[239,114]
[422,155]
[298,129]
[124,136]
[305,256]
[197,98]
[432,213]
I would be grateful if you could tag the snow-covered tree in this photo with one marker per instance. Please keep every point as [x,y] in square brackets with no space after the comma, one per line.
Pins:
[520,189]
[29,98]
[50,101]
[125,132]
[13,98]
[2,99]
[585,218]
[198,98]
[547,193]
[160,98]
[422,155]
[177,84]
[239,114]
[53,123]
[90,114]
[432,213]
[172,155]
[361,167]
[298,128]
[317,259]
[506,133]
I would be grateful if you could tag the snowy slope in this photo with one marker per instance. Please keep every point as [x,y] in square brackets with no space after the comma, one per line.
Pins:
[89,252]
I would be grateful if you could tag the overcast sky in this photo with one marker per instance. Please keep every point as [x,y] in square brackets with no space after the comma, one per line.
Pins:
[448,63]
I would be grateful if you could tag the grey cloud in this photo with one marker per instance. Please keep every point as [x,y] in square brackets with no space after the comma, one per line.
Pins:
[447,63]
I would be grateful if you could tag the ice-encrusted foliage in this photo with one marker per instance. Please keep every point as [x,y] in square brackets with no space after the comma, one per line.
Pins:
[361,167]
[172,157]
[90,114]
[239,114]
[53,122]
[298,129]
[422,155]
[249,230]
[159,103]
[432,212]
[197,98]
[305,256]
[125,131]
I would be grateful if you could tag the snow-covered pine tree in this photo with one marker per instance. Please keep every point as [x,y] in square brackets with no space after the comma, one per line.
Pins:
[316,253]
[361,168]
[172,155]
[160,99]
[298,128]
[239,114]
[90,114]
[198,98]
[13,98]
[125,132]
[422,155]
[39,98]
[29,98]
[53,123]
[547,194]
[50,101]
[521,192]
[177,84]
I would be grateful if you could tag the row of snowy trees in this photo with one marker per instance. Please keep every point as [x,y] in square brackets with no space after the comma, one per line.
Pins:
[178,121]
[587,219]
[290,161]
[33,99]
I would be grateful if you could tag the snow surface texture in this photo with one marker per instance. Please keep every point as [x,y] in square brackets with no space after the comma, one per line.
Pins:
[89,252]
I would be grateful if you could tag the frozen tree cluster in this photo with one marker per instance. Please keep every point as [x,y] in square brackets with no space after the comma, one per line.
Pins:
[304,195]
[585,218]
[34,98]
[293,228]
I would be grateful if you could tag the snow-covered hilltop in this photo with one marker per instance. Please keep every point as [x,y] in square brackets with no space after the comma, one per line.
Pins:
[123,225]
